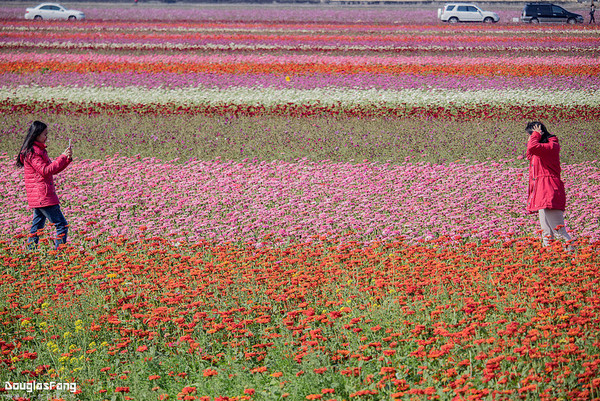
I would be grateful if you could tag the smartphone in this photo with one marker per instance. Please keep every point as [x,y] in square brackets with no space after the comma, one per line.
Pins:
[69,142]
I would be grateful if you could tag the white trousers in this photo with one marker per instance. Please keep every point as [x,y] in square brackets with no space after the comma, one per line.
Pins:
[553,225]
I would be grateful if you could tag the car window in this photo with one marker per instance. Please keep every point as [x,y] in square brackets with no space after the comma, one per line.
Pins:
[46,8]
[462,8]
[545,10]
[557,10]
[472,9]
[450,8]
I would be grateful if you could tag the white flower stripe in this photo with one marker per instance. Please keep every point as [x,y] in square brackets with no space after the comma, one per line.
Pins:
[344,97]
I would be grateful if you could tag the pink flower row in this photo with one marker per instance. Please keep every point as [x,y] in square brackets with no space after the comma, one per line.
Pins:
[245,201]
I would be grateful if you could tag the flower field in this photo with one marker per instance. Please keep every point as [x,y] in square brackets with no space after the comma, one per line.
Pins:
[309,203]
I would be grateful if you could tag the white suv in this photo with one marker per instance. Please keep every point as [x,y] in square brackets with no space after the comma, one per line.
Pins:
[465,12]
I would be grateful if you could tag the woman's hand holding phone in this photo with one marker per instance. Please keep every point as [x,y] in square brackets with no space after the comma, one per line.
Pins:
[69,151]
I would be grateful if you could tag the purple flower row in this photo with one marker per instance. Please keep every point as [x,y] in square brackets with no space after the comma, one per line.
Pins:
[515,44]
[249,14]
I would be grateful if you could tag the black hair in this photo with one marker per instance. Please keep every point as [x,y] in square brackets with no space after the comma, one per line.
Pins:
[36,128]
[545,133]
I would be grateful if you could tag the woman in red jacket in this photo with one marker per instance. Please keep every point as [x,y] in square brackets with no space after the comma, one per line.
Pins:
[39,185]
[546,189]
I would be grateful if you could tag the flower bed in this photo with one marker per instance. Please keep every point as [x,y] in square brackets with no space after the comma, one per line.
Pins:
[268,204]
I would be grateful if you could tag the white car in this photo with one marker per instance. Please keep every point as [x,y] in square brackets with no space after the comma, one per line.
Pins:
[52,11]
[465,12]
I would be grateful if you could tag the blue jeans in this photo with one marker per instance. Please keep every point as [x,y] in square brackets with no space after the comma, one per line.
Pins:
[56,217]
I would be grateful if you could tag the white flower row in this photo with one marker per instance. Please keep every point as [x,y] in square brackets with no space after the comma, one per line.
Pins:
[345,97]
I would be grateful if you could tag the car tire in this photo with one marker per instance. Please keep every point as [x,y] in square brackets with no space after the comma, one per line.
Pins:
[38,18]
[453,20]
[571,21]
[72,18]
[488,20]
[534,21]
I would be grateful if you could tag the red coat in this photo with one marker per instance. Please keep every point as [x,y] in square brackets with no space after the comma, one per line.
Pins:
[546,189]
[38,172]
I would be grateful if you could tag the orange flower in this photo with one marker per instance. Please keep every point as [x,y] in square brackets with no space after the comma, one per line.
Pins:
[188,390]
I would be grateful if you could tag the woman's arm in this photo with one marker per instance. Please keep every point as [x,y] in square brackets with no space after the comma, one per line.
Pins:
[534,147]
[44,169]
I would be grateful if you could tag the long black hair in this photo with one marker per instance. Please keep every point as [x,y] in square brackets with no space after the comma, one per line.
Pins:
[36,128]
[545,133]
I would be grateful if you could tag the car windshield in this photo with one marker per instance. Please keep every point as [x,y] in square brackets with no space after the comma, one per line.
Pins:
[450,7]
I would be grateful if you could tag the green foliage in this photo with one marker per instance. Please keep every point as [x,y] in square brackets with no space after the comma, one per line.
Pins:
[315,138]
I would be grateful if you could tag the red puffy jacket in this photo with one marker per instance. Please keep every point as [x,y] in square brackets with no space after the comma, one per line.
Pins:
[546,189]
[38,172]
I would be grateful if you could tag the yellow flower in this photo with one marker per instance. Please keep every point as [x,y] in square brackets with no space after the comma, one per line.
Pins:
[45,305]
[287,79]
[43,324]
[67,334]
[25,323]
[92,344]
